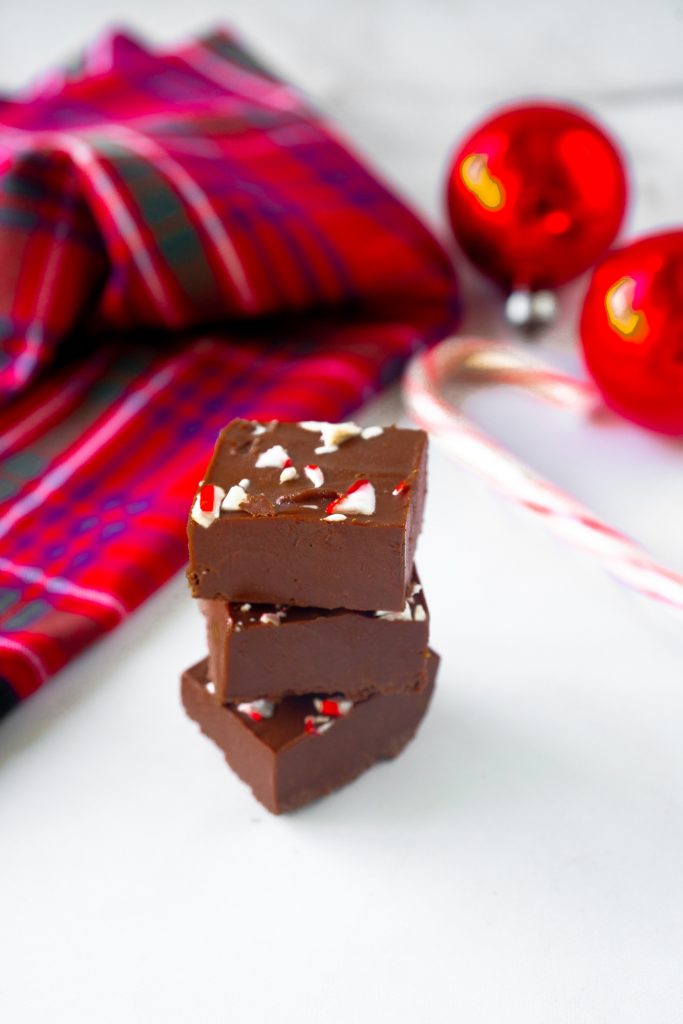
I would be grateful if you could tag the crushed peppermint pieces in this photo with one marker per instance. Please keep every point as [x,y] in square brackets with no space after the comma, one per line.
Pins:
[336,517]
[401,488]
[273,458]
[371,432]
[331,434]
[271,618]
[411,613]
[245,607]
[257,710]
[315,474]
[207,498]
[358,500]
[234,498]
[244,483]
[207,504]
[288,473]
[405,616]
[332,707]
[316,725]
[258,429]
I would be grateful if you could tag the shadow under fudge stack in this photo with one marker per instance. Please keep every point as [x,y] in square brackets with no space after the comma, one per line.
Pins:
[302,540]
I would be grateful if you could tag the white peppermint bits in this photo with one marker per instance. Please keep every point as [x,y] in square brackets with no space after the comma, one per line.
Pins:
[404,616]
[316,725]
[371,432]
[257,710]
[331,434]
[207,505]
[409,614]
[287,474]
[244,484]
[337,433]
[336,517]
[234,498]
[315,475]
[333,707]
[245,607]
[359,500]
[273,458]
[271,618]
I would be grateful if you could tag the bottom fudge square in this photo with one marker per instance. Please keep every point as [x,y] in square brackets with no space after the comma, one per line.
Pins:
[275,651]
[293,752]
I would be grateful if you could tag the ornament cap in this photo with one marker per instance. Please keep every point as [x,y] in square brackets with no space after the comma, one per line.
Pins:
[530,311]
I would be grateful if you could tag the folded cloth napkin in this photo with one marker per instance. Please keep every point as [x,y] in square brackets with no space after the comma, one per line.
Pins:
[182,240]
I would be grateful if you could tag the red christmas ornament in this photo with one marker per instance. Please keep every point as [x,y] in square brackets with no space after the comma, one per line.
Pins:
[632,331]
[535,195]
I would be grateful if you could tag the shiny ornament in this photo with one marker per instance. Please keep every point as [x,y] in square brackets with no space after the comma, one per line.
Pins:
[536,195]
[632,331]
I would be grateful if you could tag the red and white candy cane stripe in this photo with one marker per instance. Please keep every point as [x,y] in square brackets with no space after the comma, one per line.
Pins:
[472,362]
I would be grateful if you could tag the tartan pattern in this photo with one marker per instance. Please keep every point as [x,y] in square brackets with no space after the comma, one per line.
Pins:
[183,240]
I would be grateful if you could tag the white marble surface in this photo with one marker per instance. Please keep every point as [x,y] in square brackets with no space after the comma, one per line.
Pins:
[521,861]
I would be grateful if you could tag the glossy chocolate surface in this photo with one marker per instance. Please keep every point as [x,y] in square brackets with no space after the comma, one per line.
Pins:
[278,546]
[287,765]
[271,651]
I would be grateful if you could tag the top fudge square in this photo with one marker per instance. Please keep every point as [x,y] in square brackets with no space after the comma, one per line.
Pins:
[312,514]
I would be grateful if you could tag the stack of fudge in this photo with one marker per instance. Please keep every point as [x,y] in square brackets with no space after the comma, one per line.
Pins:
[302,538]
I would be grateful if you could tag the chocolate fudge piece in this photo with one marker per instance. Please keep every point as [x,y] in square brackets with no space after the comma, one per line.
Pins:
[309,514]
[271,651]
[296,751]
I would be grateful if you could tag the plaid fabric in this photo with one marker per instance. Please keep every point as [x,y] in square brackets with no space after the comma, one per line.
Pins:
[182,240]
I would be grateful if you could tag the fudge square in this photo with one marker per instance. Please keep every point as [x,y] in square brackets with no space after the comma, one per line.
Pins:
[273,651]
[305,747]
[312,514]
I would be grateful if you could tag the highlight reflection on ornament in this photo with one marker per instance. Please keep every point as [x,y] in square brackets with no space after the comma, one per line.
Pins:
[475,174]
[620,311]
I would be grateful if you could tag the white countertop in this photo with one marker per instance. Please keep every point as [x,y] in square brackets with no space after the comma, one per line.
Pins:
[521,861]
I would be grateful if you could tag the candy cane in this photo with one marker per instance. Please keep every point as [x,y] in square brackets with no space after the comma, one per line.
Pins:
[473,362]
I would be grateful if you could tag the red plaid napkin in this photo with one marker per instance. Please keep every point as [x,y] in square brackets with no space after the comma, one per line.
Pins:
[182,240]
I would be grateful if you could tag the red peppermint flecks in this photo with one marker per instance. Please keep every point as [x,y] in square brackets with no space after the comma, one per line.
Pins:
[287,463]
[401,488]
[315,474]
[207,497]
[257,710]
[333,707]
[337,501]
[316,725]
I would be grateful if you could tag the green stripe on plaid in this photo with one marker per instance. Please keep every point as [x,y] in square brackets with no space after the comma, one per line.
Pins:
[168,219]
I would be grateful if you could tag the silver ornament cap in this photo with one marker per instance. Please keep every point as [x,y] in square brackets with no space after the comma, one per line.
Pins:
[530,311]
